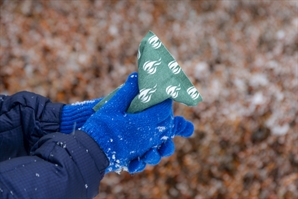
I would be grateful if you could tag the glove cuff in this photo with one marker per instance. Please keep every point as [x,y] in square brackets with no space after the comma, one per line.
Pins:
[75,115]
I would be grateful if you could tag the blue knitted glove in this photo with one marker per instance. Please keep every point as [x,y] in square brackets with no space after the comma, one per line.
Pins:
[153,156]
[74,115]
[132,140]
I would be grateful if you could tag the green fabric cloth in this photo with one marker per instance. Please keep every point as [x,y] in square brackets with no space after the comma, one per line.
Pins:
[159,77]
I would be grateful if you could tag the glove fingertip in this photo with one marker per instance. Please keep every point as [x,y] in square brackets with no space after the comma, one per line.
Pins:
[188,130]
[152,157]
[136,166]
[167,148]
[183,127]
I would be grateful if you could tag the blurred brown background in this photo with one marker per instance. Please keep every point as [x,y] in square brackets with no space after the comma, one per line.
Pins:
[241,55]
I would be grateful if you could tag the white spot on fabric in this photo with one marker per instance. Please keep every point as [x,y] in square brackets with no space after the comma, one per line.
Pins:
[84,102]
[164,138]
[37,174]
[161,128]
[86,186]
[111,140]
[11,192]
[1,190]
[35,189]
[125,168]
[87,150]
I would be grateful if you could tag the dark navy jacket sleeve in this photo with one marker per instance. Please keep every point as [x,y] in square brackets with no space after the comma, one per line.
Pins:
[58,166]
[24,118]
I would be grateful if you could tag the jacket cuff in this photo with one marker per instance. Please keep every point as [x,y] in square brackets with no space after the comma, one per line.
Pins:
[52,111]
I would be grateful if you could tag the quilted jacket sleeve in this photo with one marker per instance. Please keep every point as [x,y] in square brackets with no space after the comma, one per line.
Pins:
[24,118]
[36,160]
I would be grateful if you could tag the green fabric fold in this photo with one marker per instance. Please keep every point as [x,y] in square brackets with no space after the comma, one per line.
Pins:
[159,77]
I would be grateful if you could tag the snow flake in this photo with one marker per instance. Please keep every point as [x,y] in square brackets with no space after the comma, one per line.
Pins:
[164,138]
[161,128]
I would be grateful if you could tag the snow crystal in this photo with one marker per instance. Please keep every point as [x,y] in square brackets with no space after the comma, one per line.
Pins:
[161,128]
[132,76]
[113,30]
[258,98]
[125,168]
[83,102]
[201,69]
[259,80]
[109,169]
[280,34]
[164,138]
[280,130]
[118,171]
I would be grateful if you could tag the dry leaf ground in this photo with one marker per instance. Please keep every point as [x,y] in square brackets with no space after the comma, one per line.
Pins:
[241,55]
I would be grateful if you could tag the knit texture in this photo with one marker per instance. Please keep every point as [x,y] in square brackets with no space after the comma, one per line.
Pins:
[75,115]
[131,141]
[160,78]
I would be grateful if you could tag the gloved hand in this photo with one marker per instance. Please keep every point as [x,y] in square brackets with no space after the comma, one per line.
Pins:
[181,127]
[132,140]
[74,115]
